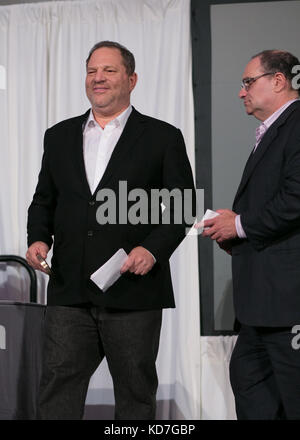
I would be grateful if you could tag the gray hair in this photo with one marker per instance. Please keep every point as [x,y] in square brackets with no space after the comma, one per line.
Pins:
[278,61]
[127,56]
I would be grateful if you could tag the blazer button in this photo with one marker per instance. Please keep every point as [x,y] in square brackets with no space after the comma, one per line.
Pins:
[90,233]
[92,202]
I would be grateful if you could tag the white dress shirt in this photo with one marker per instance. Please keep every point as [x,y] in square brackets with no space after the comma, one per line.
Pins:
[99,144]
[267,124]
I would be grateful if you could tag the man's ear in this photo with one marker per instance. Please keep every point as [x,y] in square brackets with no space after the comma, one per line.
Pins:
[132,81]
[280,82]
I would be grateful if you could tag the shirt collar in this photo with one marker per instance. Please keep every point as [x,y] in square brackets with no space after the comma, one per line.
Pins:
[271,119]
[119,121]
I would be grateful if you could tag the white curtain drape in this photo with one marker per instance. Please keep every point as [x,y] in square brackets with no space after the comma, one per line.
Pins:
[43,47]
[217,400]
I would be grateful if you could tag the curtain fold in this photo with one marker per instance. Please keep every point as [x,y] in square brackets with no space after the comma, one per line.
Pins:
[43,48]
[217,399]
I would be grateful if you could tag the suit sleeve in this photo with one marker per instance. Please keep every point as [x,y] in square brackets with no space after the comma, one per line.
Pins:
[280,215]
[177,176]
[42,207]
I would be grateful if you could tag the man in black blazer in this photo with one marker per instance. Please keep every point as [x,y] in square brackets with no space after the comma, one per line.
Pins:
[85,158]
[262,233]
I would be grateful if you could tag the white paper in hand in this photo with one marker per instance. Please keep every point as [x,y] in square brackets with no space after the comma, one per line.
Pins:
[208,215]
[109,272]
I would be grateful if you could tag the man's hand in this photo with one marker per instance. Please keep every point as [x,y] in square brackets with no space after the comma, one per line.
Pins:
[38,247]
[221,227]
[139,261]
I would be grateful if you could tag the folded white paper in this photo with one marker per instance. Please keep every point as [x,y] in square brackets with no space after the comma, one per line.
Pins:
[109,272]
[208,215]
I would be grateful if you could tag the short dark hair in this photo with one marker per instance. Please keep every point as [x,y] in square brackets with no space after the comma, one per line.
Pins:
[275,60]
[128,58]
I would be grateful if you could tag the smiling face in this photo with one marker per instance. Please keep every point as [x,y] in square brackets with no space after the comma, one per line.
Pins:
[259,99]
[108,85]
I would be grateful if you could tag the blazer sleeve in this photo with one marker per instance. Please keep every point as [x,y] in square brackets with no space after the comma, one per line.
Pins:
[174,225]
[280,215]
[42,208]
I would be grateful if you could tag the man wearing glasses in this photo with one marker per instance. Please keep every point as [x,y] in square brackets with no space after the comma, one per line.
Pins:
[262,233]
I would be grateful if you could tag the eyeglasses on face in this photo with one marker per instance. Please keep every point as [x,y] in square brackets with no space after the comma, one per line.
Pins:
[247,82]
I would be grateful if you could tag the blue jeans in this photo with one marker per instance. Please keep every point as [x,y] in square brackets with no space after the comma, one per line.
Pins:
[76,341]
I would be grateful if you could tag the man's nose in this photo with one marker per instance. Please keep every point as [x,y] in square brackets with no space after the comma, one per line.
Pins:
[242,93]
[100,76]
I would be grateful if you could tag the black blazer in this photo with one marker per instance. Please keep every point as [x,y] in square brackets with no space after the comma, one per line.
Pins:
[149,154]
[266,265]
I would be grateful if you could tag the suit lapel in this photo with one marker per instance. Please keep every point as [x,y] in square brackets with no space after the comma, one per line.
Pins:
[78,153]
[264,145]
[132,131]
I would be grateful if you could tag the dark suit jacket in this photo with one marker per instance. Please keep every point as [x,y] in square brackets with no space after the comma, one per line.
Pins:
[150,154]
[266,265]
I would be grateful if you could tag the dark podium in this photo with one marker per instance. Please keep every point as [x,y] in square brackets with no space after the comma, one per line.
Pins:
[21,336]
